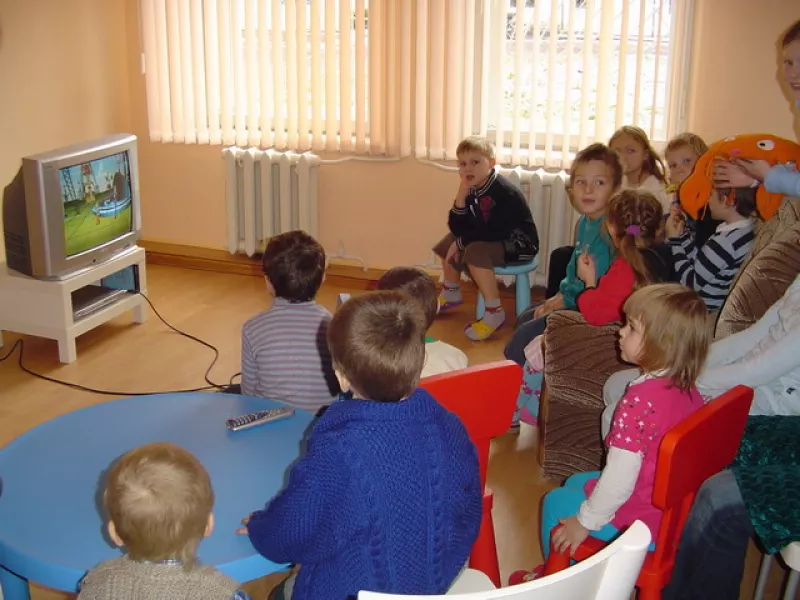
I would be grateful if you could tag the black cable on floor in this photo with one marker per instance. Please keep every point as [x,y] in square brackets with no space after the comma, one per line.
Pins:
[211,385]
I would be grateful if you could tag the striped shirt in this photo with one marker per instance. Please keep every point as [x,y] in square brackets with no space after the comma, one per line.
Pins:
[285,355]
[710,270]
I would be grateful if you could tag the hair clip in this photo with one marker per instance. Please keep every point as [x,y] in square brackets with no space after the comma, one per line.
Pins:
[633,230]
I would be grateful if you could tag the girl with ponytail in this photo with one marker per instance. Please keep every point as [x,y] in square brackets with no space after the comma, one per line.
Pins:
[633,224]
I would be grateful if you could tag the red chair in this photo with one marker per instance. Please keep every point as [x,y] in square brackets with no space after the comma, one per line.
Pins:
[484,398]
[700,446]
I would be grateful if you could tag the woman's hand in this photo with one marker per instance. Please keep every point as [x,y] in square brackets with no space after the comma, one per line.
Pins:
[731,174]
[570,536]
[757,169]
[586,270]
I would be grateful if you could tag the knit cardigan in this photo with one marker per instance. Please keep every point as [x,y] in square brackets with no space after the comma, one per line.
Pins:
[125,579]
[387,498]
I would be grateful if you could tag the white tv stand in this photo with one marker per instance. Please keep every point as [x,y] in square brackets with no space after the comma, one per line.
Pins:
[44,307]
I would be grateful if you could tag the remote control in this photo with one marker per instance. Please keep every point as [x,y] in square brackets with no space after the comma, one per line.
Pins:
[258,418]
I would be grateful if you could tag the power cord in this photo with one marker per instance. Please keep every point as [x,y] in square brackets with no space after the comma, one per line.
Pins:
[211,385]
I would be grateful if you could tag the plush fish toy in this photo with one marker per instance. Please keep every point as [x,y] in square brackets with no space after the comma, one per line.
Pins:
[696,189]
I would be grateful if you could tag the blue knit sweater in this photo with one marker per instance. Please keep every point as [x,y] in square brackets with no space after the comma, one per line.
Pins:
[387,498]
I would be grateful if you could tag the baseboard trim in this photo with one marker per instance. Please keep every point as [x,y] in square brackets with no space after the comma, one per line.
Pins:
[221,261]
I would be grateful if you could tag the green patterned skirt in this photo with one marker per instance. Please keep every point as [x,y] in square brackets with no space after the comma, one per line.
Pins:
[767,470]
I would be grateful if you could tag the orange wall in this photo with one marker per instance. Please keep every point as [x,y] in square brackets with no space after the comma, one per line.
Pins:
[734,83]
[69,71]
[63,76]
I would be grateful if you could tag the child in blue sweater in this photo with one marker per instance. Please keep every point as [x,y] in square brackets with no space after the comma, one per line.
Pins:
[388,496]
[596,174]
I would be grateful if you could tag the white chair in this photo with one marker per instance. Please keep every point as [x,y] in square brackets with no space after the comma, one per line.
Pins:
[608,575]
[791,556]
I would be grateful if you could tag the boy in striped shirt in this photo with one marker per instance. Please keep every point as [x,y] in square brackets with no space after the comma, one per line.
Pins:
[711,269]
[285,353]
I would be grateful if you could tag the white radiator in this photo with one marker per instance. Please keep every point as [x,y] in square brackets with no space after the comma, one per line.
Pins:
[552,211]
[267,193]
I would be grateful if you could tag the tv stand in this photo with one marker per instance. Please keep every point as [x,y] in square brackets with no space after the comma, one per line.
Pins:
[63,309]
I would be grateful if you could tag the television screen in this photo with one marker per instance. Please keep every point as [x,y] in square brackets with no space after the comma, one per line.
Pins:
[97,202]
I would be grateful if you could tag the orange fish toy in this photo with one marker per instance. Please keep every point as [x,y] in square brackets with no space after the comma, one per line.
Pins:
[696,189]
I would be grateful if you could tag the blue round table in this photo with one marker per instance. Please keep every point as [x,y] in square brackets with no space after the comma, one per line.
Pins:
[52,528]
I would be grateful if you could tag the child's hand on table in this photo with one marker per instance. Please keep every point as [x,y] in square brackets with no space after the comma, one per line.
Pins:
[570,536]
[245,521]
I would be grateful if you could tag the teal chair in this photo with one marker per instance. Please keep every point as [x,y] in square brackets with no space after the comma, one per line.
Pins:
[522,284]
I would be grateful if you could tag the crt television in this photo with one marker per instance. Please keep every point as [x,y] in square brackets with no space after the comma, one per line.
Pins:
[71,208]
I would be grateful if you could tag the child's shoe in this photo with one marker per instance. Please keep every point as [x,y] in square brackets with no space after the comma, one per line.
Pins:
[518,577]
[450,297]
[482,329]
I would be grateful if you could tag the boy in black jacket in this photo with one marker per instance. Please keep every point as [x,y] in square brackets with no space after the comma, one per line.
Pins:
[490,226]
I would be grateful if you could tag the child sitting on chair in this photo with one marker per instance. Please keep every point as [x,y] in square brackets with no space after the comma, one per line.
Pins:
[285,353]
[633,225]
[388,496]
[595,176]
[159,499]
[666,336]
[439,356]
[711,269]
[490,226]
[681,154]
[641,164]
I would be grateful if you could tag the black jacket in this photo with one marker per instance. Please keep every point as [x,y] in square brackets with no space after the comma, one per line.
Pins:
[497,212]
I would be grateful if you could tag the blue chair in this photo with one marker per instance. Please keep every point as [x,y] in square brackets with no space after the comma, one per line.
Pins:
[522,284]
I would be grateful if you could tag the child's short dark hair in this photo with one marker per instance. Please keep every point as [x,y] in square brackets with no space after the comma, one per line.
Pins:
[294,263]
[377,342]
[159,497]
[417,284]
[602,153]
[792,34]
[742,199]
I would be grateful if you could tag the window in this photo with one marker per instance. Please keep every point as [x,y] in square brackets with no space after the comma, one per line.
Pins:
[284,73]
[314,61]
[542,78]
[569,72]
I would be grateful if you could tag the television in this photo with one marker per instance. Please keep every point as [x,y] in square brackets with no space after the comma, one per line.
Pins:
[71,208]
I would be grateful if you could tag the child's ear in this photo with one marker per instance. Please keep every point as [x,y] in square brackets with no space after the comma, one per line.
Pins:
[270,288]
[492,162]
[344,383]
[112,533]
[209,525]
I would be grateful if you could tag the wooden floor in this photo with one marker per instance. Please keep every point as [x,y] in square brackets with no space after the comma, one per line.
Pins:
[124,357]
